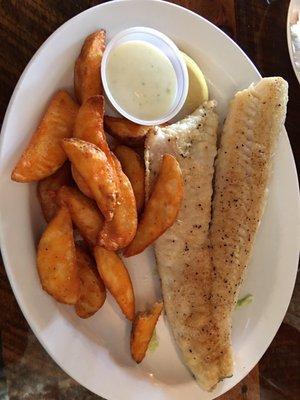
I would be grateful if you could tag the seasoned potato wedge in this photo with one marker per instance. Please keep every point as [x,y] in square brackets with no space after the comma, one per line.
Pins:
[48,187]
[92,289]
[119,232]
[126,131]
[89,123]
[93,166]
[44,154]
[56,259]
[116,279]
[134,169]
[84,213]
[89,127]
[80,182]
[162,208]
[87,80]
[142,330]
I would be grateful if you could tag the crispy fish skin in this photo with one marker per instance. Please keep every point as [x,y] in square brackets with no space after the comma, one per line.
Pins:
[243,166]
[182,252]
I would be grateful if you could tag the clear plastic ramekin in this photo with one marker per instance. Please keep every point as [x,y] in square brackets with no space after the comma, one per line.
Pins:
[168,47]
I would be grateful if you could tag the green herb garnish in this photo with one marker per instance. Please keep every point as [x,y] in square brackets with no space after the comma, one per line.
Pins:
[153,345]
[244,301]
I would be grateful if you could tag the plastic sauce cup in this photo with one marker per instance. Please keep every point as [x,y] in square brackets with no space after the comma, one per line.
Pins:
[164,44]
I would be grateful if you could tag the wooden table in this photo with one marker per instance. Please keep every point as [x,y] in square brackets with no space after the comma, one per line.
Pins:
[26,371]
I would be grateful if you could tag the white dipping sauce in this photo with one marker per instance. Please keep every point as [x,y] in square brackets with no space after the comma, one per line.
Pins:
[141,79]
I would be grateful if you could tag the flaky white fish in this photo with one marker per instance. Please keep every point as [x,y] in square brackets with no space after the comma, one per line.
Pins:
[243,167]
[182,252]
[202,258]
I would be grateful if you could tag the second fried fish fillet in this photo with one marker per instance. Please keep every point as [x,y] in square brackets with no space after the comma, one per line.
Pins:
[182,252]
[243,166]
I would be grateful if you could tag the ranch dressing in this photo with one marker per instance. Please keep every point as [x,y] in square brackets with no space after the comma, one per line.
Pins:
[141,79]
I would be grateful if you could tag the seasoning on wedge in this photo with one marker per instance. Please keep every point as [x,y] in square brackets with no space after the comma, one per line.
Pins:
[47,190]
[119,232]
[56,259]
[134,168]
[87,80]
[126,131]
[84,213]
[92,289]
[142,330]
[94,167]
[116,279]
[44,155]
[162,208]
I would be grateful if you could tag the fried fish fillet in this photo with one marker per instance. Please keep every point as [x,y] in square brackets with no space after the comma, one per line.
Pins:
[243,166]
[202,267]
[182,252]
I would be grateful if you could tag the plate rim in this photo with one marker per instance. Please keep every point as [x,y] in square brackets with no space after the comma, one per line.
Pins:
[5,120]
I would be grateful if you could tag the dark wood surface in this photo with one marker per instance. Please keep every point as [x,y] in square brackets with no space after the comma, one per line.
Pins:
[26,371]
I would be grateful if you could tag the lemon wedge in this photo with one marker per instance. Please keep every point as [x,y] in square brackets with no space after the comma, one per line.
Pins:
[197,92]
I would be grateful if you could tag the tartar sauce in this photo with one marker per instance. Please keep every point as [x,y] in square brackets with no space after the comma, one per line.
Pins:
[141,79]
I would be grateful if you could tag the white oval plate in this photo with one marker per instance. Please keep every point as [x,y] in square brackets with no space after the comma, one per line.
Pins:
[95,352]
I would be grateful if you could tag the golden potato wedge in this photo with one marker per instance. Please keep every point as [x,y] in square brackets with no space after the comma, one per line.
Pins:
[89,127]
[126,131]
[116,279]
[80,182]
[56,259]
[142,331]
[93,166]
[89,123]
[44,154]
[92,289]
[162,208]
[48,188]
[120,231]
[87,80]
[134,169]
[84,212]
